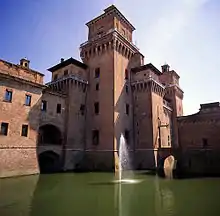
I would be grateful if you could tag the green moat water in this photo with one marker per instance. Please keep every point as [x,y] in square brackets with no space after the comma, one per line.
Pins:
[93,194]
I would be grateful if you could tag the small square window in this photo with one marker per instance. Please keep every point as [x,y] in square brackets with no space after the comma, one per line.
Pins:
[127,109]
[55,77]
[127,136]
[126,74]
[126,89]
[44,105]
[58,108]
[8,95]
[24,130]
[96,107]
[82,109]
[4,129]
[205,143]
[97,87]
[97,72]
[27,100]
[65,72]
[95,137]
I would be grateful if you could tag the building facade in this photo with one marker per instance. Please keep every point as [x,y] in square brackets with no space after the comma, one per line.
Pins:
[76,120]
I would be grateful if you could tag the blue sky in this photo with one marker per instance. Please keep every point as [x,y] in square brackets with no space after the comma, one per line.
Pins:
[184,33]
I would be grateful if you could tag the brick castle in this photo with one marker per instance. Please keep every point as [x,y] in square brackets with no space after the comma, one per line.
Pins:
[75,121]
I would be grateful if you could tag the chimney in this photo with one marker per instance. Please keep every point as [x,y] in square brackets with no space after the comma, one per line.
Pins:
[165,68]
[62,60]
[24,62]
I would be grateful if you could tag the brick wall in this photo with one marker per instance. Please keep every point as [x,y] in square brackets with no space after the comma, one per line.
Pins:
[18,153]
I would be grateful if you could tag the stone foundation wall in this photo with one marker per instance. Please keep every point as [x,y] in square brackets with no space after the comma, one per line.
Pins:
[203,163]
[144,159]
[17,162]
[98,161]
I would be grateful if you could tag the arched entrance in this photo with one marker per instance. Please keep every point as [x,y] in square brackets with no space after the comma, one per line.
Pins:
[166,166]
[49,134]
[49,162]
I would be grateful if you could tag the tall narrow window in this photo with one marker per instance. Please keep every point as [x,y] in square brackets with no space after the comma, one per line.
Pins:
[65,72]
[126,89]
[55,77]
[4,129]
[27,100]
[95,137]
[126,74]
[82,109]
[96,107]
[44,105]
[24,130]
[8,95]
[58,108]
[97,87]
[204,143]
[127,136]
[127,109]
[97,72]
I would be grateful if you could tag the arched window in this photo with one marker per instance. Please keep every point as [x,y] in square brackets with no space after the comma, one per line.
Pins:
[49,134]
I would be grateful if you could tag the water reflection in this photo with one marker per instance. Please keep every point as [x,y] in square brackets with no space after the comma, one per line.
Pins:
[164,199]
[90,194]
[16,195]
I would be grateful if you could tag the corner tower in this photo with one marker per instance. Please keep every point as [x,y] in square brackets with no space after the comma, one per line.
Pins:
[109,53]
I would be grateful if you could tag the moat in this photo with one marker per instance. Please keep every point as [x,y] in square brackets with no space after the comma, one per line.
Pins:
[94,194]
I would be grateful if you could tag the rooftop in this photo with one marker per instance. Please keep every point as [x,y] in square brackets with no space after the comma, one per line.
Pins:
[19,66]
[146,67]
[66,63]
[109,10]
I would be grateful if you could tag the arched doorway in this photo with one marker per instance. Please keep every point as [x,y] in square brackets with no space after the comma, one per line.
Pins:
[166,166]
[49,162]
[49,134]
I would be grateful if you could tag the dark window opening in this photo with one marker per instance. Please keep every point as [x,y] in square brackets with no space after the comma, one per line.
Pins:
[4,129]
[127,109]
[8,96]
[97,72]
[127,136]
[95,137]
[44,105]
[126,89]
[55,77]
[28,100]
[25,64]
[49,134]
[96,107]
[65,72]
[205,143]
[126,74]
[82,109]
[58,108]
[24,130]
[97,87]
[84,89]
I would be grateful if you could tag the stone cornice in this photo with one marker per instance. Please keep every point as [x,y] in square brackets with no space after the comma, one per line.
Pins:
[21,67]
[108,11]
[20,80]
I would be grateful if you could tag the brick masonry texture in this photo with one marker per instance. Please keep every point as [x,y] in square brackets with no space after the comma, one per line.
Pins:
[132,96]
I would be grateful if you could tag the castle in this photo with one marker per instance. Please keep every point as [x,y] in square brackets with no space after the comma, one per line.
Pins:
[76,120]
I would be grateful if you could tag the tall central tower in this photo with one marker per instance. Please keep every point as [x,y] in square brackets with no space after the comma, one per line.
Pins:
[109,53]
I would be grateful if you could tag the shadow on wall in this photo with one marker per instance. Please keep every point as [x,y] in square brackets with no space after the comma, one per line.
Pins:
[125,124]
[49,140]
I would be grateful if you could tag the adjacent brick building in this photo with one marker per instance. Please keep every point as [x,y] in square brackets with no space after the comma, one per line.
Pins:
[76,120]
